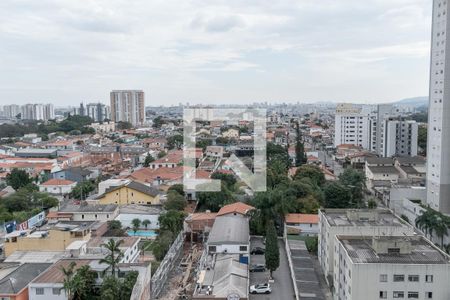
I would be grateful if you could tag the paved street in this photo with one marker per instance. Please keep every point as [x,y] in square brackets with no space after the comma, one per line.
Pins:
[327,159]
[282,288]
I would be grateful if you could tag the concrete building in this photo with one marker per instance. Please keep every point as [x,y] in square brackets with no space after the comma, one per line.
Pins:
[438,166]
[352,125]
[399,138]
[97,111]
[57,186]
[37,112]
[387,267]
[128,106]
[302,224]
[11,111]
[354,222]
[229,234]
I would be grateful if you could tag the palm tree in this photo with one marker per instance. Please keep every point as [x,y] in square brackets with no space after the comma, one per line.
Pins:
[425,222]
[114,256]
[136,224]
[441,230]
[146,222]
[68,283]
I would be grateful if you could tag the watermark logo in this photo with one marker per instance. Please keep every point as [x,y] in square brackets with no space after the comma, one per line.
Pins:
[255,180]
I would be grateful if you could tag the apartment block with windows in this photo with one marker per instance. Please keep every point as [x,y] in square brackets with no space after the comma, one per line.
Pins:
[388,267]
[438,165]
[354,222]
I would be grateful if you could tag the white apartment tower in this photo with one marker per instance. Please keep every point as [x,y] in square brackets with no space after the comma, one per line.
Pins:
[128,106]
[438,164]
[352,126]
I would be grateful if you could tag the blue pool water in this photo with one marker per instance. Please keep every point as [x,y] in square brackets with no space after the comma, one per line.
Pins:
[142,233]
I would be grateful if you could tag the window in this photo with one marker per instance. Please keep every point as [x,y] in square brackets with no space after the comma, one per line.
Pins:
[383,277]
[242,248]
[413,295]
[413,278]
[398,278]
[383,294]
[39,291]
[429,278]
[212,249]
[398,294]
[428,295]
[56,291]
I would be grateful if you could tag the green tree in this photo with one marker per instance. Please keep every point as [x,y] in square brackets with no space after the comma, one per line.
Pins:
[81,190]
[83,283]
[272,254]
[422,139]
[300,155]
[175,141]
[177,188]
[215,200]
[161,244]
[337,196]
[148,160]
[121,125]
[136,224]
[158,122]
[312,172]
[146,222]
[172,221]
[18,178]
[161,154]
[114,256]
[372,204]
[175,201]
[68,283]
[228,179]
[356,182]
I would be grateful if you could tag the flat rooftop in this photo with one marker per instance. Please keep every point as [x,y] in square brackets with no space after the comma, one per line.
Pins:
[361,217]
[229,229]
[361,250]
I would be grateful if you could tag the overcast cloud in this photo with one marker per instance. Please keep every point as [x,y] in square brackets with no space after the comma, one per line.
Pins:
[214,51]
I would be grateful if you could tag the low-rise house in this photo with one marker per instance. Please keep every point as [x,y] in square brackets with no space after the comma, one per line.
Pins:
[302,224]
[57,186]
[229,234]
[77,174]
[15,279]
[197,225]
[231,133]
[215,151]
[380,171]
[130,193]
[171,160]
[237,208]
[82,211]
[49,238]
[36,153]
[412,168]
[50,284]
[129,246]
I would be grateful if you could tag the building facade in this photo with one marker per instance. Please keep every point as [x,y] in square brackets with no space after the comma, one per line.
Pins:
[438,166]
[128,106]
[352,126]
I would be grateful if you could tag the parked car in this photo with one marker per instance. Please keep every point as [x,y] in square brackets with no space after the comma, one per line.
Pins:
[258,250]
[263,288]
[257,268]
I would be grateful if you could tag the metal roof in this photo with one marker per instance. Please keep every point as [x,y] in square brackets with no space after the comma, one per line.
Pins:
[229,229]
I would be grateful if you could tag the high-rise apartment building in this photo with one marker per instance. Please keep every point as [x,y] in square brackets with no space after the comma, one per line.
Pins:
[11,111]
[352,126]
[438,159]
[97,111]
[399,137]
[128,106]
[42,112]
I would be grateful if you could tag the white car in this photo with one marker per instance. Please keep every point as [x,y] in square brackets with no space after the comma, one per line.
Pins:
[263,288]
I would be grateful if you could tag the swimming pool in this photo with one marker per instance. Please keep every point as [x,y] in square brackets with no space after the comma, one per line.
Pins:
[143,233]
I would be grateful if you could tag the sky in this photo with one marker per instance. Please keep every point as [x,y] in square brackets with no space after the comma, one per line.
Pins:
[214,51]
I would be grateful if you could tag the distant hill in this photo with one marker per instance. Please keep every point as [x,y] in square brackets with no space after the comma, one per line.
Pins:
[416,101]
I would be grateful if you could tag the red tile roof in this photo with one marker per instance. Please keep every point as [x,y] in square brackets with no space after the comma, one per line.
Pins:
[302,218]
[238,207]
[55,181]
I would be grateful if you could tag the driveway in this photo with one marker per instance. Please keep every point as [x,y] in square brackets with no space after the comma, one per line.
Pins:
[282,288]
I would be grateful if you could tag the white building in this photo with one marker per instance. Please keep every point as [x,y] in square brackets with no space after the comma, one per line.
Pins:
[57,186]
[352,126]
[128,106]
[438,166]
[37,112]
[400,138]
[334,222]
[229,234]
[386,267]
[97,111]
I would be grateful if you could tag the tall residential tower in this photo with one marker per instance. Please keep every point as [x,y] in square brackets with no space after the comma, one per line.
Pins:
[438,155]
[128,106]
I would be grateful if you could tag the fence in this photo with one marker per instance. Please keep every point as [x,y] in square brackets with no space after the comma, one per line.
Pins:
[291,265]
[159,279]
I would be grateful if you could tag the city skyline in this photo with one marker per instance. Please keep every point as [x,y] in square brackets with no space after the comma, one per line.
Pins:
[65,53]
